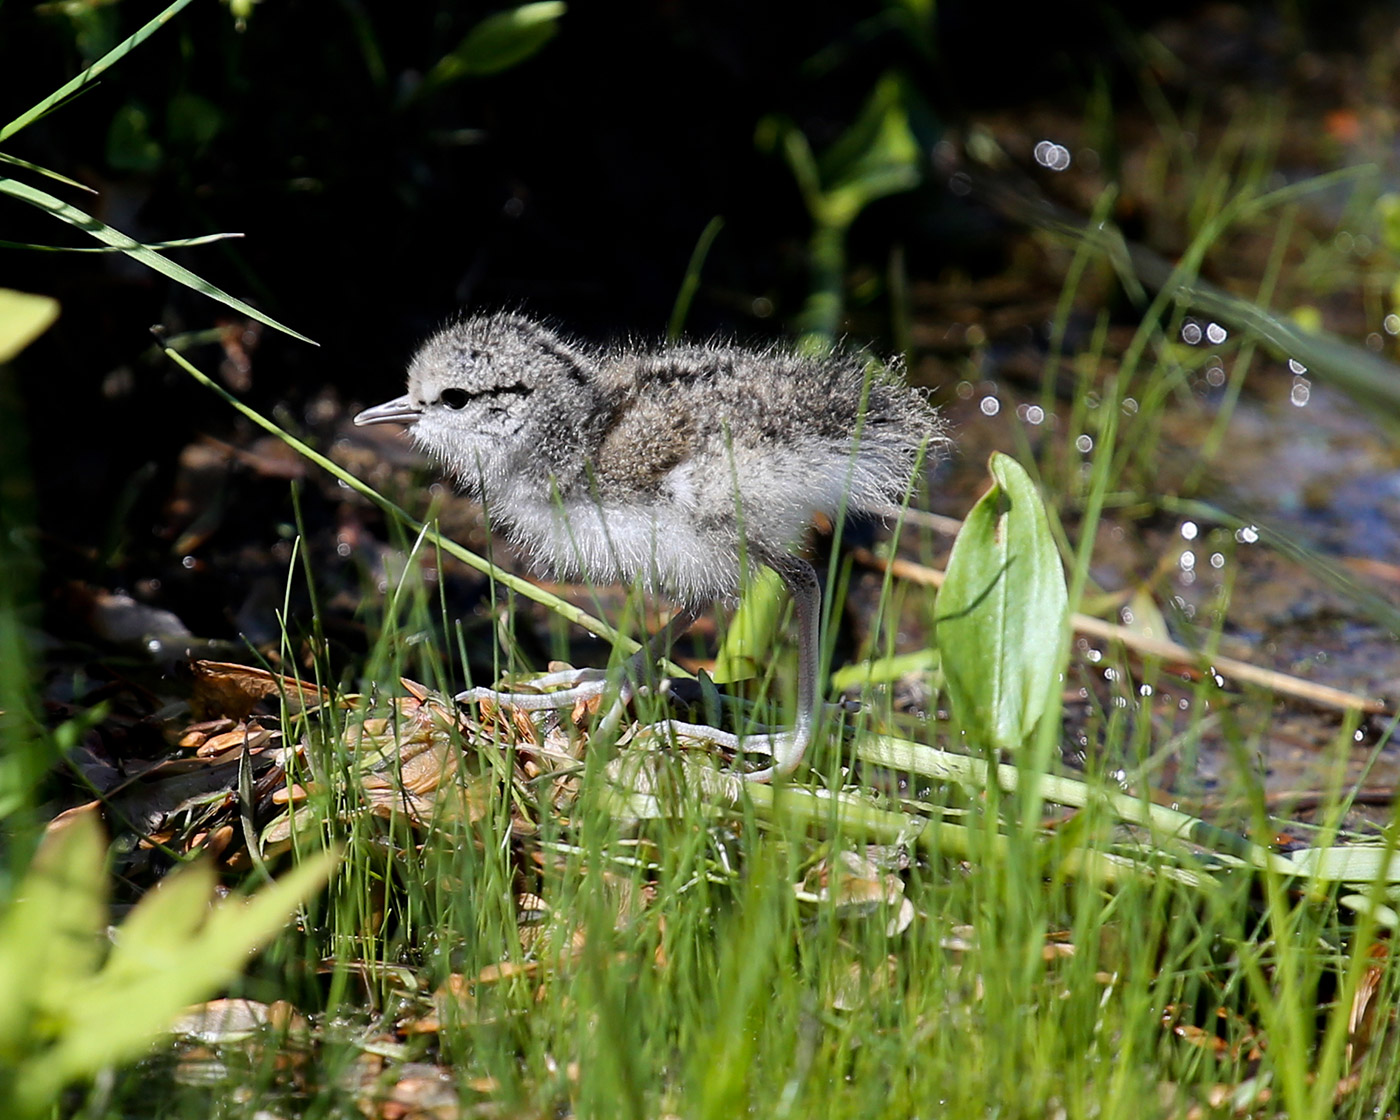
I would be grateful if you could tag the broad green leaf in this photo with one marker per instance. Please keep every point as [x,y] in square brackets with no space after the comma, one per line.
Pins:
[1001,611]
[64,1012]
[147,256]
[144,987]
[748,642]
[23,318]
[497,43]
[77,84]
[167,916]
[50,933]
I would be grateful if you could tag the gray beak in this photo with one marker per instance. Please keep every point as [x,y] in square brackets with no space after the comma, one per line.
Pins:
[400,410]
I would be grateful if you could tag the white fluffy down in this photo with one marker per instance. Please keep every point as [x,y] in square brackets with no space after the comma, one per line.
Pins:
[668,545]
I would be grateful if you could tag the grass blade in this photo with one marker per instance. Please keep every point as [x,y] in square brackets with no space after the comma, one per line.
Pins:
[116,54]
[143,253]
[15,161]
[178,243]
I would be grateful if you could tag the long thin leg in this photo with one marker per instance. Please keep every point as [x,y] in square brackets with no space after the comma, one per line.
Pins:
[786,747]
[584,684]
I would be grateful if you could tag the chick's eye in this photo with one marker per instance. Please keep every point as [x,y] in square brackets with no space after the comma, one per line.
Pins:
[455,398]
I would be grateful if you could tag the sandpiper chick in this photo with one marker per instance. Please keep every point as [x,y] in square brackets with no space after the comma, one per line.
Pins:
[669,467]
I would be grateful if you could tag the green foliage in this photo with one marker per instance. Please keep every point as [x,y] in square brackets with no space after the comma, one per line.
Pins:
[68,1007]
[877,156]
[74,86]
[23,318]
[148,256]
[1001,612]
[130,146]
[23,757]
[497,43]
[1388,210]
[884,670]
[65,1011]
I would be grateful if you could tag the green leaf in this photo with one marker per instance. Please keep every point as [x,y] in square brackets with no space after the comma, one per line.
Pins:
[497,43]
[1388,210]
[1001,611]
[876,156]
[65,1013]
[885,670]
[23,318]
[172,960]
[50,935]
[748,642]
[143,253]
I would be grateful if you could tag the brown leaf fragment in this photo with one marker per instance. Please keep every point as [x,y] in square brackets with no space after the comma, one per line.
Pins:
[506,970]
[250,736]
[859,888]
[289,794]
[64,818]
[1246,1041]
[412,764]
[219,840]
[225,688]
[197,734]
[1361,1022]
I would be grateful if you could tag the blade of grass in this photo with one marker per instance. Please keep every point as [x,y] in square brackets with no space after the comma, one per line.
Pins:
[115,55]
[1288,544]
[1355,370]
[134,249]
[15,161]
[178,243]
[691,283]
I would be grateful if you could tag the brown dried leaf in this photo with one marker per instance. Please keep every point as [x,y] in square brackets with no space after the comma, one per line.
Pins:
[251,736]
[859,888]
[223,688]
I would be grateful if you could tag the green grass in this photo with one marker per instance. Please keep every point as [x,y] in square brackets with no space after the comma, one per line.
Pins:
[614,931]
[710,949]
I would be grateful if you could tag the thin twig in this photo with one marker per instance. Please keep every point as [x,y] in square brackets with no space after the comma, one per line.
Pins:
[1321,695]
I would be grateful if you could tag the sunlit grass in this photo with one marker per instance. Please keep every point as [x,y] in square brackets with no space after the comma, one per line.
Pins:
[971,942]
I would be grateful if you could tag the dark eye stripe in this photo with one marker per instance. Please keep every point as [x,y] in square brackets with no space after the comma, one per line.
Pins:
[459,398]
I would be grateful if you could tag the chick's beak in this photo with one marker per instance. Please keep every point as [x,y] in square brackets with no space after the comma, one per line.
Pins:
[400,410]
